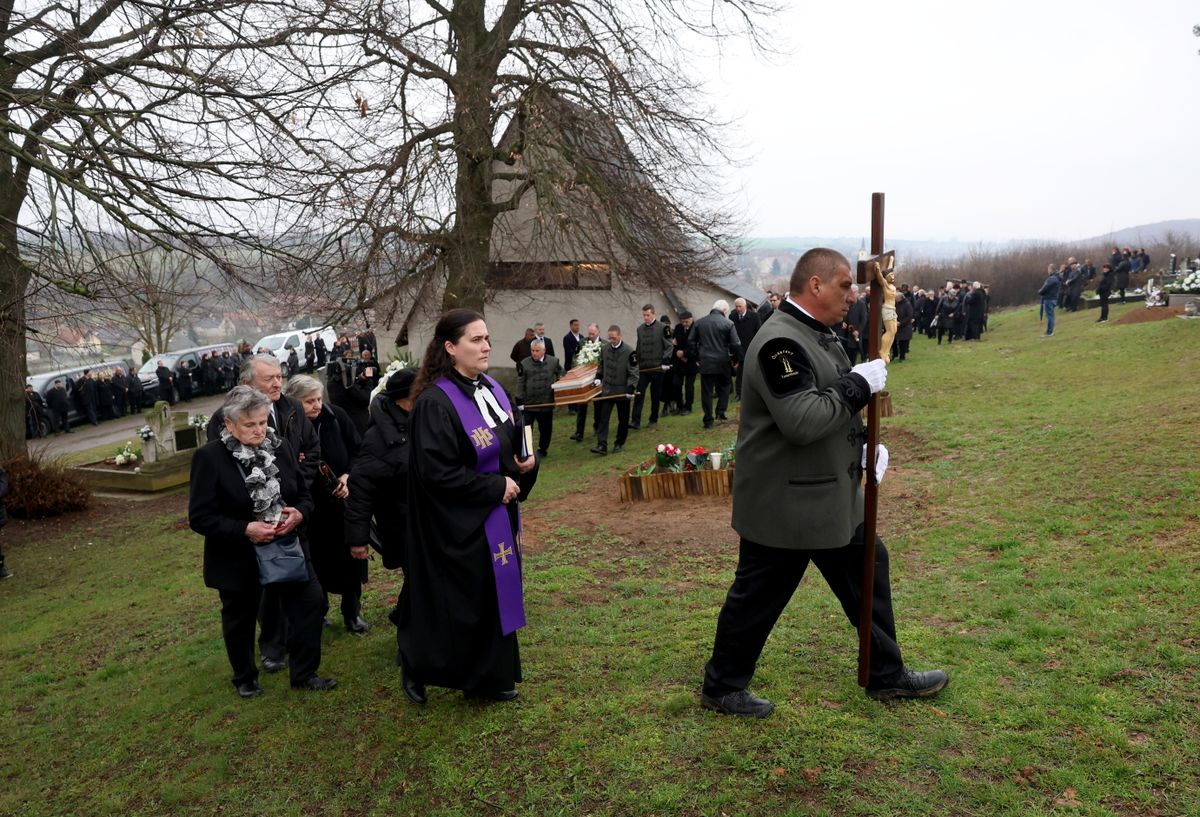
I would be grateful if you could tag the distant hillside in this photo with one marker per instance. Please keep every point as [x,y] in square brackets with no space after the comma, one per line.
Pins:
[1150,233]
[933,250]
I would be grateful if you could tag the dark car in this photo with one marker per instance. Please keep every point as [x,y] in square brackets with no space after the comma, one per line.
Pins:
[44,382]
[173,360]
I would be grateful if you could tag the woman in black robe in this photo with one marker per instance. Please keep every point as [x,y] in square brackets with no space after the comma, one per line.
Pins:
[338,571]
[449,622]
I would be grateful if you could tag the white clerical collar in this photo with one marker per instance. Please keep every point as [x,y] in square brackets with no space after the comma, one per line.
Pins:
[617,345]
[802,309]
[486,402]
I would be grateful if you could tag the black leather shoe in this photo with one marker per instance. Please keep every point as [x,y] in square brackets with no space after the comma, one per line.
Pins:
[250,689]
[635,426]
[618,448]
[273,664]
[491,694]
[910,684]
[357,626]
[576,438]
[412,689]
[651,424]
[738,703]
[543,454]
[316,684]
[600,449]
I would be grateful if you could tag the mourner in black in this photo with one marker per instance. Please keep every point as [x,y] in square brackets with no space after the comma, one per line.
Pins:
[714,343]
[166,384]
[85,390]
[535,376]
[286,417]
[337,570]
[379,479]
[449,621]
[797,494]
[746,322]
[60,408]
[235,513]
[581,409]
[571,343]
[37,419]
[685,367]
[349,391]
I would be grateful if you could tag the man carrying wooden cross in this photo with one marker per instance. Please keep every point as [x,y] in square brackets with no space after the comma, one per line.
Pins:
[797,493]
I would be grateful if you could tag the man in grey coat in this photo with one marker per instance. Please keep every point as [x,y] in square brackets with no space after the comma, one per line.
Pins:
[617,377]
[797,492]
[714,343]
[536,375]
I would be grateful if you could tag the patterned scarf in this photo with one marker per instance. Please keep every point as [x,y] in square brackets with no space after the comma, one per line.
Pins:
[260,472]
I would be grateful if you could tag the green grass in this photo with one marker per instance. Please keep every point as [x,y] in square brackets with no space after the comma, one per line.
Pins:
[1042,518]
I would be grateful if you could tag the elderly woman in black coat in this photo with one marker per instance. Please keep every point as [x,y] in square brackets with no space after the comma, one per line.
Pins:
[247,490]
[337,570]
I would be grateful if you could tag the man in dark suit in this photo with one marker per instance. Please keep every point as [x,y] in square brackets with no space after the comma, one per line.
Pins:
[286,417]
[571,342]
[520,349]
[746,322]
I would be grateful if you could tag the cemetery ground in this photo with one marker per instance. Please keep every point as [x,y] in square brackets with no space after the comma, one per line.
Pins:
[1042,518]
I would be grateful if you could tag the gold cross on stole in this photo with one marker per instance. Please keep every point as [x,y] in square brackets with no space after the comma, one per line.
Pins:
[502,554]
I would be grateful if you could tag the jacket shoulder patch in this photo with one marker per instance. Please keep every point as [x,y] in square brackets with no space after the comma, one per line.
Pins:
[785,367]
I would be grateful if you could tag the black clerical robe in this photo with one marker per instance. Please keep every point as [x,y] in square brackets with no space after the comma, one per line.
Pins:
[449,623]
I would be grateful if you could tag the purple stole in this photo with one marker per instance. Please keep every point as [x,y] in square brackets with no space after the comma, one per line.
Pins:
[502,545]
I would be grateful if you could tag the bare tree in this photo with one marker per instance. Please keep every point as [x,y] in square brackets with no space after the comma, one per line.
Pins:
[189,123]
[158,293]
[468,107]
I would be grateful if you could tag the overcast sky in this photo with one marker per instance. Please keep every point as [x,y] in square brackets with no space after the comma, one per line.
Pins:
[1052,119]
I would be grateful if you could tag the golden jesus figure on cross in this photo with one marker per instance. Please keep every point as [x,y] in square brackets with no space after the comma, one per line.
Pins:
[885,279]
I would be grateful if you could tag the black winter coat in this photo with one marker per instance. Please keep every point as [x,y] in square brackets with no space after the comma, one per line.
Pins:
[219,509]
[379,484]
[337,570]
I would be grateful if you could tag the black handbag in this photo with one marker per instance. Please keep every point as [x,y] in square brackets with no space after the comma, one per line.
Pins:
[281,561]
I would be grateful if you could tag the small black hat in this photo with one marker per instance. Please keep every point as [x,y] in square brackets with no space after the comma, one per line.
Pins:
[684,315]
[399,384]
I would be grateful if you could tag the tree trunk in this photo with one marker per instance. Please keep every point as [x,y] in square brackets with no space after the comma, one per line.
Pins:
[14,278]
[468,245]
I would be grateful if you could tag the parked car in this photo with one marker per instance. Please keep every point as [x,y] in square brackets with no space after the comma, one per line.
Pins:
[278,343]
[44,382]
[173,360]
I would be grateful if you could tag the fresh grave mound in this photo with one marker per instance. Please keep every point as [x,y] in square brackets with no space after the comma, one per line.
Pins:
[1156,313]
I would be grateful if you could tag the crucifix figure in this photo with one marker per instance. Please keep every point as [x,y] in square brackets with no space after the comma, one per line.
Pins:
[883,271]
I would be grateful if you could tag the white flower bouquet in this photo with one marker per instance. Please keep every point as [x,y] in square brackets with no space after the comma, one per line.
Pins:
[146,433]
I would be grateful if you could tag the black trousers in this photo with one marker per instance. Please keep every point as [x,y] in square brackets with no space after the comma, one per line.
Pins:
[604,410]
[59,421]
[902,349]
[946,331]
[1103,307]
[273,625]
[303,605]
[687,389]
[652,382]
[545,425]
[351,604]
[710,384]
[765,580]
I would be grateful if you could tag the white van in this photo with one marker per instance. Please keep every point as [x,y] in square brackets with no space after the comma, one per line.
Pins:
[278,343]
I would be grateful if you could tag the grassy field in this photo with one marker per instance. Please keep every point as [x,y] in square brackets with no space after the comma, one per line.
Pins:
[1042,518]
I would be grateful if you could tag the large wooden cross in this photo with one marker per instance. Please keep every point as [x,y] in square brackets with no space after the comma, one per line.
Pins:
[867,269]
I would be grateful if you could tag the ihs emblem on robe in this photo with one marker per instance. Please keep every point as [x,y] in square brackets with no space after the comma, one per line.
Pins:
[482,437]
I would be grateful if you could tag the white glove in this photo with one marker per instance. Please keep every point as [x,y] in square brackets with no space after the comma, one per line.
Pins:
[665,367]
[596,382]
[881,461]
[874,372]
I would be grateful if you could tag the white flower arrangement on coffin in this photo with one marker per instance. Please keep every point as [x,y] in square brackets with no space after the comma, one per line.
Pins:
[588,353]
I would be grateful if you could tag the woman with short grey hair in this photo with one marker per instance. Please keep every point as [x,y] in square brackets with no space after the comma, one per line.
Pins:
[247,490]
[338,571]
